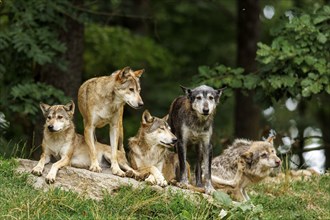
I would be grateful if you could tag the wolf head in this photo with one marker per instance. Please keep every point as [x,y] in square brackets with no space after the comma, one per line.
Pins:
[262,155]
[58,117]
[127,86]
[203,99]
[157,131]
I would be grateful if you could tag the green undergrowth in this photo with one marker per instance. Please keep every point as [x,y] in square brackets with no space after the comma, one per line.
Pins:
[19,200]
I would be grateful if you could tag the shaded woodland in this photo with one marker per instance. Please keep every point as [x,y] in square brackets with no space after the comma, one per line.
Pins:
[273,56]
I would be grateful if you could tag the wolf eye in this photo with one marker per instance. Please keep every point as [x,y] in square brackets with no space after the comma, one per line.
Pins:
[162,128]
[59,117]
[211,97]
[264,155]
[199,98]
[49,117]
[131,89]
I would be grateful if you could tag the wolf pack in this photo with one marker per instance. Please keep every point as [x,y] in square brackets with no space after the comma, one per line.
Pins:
[157,154]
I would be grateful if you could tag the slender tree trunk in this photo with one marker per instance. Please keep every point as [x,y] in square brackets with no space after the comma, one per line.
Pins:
[247,113]
[324,119]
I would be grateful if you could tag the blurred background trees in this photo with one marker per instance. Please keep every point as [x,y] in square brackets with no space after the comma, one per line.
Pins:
[49,48]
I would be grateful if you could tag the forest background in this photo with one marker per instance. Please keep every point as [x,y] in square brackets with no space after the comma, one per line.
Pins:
[273,56]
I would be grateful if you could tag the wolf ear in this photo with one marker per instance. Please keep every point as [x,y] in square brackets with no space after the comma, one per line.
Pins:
[219,93]
[271,139]
[69,108]
[247,157]
[138,73]
[44,108]
[165,118]
[124,72]
[187,91]
[146,117]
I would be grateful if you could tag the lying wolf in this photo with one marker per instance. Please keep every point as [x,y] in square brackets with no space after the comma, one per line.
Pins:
[62,142]
[149,151]
[191,120]
[242,164]
[101,102]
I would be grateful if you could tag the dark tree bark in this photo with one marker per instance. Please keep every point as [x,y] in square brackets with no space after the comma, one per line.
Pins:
[247,113]
[324,119]
[69,80]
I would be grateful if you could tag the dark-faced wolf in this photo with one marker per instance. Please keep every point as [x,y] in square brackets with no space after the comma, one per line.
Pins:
[191,120]
[101,102]
[69,148]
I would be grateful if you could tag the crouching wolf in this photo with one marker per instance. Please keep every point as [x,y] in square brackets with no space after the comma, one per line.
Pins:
[149,150]
[101,101]
[62,142]
[191,119]
[242,164]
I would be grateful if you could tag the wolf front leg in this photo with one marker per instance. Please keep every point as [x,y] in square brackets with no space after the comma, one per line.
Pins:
[44,159]
[198,168]
[50,178]
[207,157]
[182,153]
[114,133]
[90,141]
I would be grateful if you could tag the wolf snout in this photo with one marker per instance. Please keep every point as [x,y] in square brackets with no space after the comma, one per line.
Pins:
[51,127]
[206,111]
[174,140]
[278,163]
[140,104]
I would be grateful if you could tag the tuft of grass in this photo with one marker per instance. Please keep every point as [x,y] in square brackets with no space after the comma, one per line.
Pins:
[304,199]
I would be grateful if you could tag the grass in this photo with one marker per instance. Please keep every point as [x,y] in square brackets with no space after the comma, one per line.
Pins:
[305,199]
[298,200]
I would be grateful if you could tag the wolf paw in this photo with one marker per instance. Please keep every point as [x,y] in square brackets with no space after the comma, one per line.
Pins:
[117,172]
[50,179]
[151,180]
[95,168]
[161,182]
[37,171]
[209,189]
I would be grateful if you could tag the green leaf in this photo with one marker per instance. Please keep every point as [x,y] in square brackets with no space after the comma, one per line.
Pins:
[222,198]
[321,38]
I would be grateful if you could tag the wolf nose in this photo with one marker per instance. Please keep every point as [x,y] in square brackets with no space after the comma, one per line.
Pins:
[174,140]
[50,127]
[278,163]
[140,104]
[205,111]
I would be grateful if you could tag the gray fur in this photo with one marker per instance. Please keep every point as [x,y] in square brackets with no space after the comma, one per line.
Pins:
[191,119]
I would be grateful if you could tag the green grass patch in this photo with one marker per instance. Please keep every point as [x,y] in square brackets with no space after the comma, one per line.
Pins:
[305,199]
[298,200]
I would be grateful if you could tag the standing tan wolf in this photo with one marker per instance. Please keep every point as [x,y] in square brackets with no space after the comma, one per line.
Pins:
[69,148]
[244,163]
[191,120]
[101,102]
[149,150]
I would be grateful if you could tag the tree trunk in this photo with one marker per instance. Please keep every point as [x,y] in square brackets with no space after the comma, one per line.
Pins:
[69,80]
[324,119]
[247,113]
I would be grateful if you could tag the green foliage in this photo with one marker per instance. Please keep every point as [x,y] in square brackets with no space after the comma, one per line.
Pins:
[296,62]
[112,48]
[245,210]
[26,97]
[298,58]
